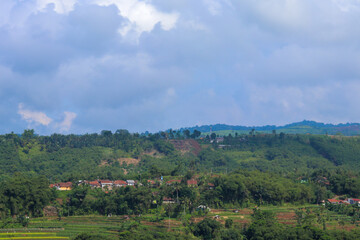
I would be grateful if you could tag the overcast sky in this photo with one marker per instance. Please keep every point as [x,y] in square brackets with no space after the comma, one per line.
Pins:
[81,66]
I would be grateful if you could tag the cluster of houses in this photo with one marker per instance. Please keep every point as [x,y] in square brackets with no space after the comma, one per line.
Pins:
[348,201]
[104,184]
[109,185]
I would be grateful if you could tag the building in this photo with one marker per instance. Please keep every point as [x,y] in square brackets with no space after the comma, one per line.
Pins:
[168,200]
[119,183]
[151,183]
[170,182]
[130,182]
[192,183]
[62,186]
[95,184]
[353,201]
[106,184]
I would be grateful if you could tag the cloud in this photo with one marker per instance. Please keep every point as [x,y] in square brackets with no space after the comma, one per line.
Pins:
[33,116]
[60,6]
[142,16]
[215,7]
[194,62]
[66,124]
[37,119]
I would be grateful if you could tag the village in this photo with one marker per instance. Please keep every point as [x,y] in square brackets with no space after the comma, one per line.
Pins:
[108,185]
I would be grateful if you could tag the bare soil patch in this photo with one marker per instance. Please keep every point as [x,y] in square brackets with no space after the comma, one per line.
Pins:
[128,161]
[186,146]
[153,153]
[286,216]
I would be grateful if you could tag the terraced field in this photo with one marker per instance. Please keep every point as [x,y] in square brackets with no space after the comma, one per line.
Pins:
[110,227]
[31,234]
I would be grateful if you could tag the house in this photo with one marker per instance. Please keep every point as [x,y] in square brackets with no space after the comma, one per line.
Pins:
[130,182]
[173,182]
[211,186]
[192,183]
[353,201]
[151,183]
[203,208]
[82,182]
[95,184]
[218,140]
[62,186]
[65,186]
[106,184]
[119,183]
[168,200]
[335,201]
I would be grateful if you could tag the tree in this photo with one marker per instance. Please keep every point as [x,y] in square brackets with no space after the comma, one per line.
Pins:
[186,133]
[207,229]
[228,223]
[195,134]
[264,226]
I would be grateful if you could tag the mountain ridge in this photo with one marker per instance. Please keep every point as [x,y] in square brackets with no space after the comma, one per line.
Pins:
[303,127]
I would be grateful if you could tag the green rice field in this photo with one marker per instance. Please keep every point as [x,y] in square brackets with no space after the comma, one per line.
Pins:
[110,227]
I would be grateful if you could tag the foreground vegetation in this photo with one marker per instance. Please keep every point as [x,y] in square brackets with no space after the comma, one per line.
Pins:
[285,222]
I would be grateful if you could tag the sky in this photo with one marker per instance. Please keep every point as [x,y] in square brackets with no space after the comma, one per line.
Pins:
[82,66]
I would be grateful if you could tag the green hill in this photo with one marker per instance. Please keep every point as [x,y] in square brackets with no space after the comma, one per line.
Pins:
[123,155]
[304,127]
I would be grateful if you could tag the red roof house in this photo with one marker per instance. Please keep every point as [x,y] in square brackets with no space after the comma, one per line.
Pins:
[192,183]
[173,182]
[119,183]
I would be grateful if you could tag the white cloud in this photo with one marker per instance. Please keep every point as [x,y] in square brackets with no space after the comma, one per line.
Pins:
[33,116]
[215,7]
[66,124]
[60,6]
[40,118]
[142,16]
[347,6]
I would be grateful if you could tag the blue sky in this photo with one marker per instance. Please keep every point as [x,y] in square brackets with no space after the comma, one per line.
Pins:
[81,66]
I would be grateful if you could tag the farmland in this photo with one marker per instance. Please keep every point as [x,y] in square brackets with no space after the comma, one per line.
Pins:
[111,227]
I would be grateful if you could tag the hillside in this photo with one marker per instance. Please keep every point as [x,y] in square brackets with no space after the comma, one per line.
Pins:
[304,127]
[114,155]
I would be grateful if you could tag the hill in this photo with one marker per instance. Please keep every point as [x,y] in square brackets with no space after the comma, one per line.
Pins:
[304,127]
[122,155]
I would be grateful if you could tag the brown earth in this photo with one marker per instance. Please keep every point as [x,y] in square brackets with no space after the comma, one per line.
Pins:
[50,211]
[128,161]
[153,153]
[186,146]
[286,216]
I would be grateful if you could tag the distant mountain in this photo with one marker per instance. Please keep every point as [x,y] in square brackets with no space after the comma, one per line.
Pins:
[304,127]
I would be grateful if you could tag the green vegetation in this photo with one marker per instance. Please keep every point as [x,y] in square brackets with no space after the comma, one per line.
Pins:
[277,173]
